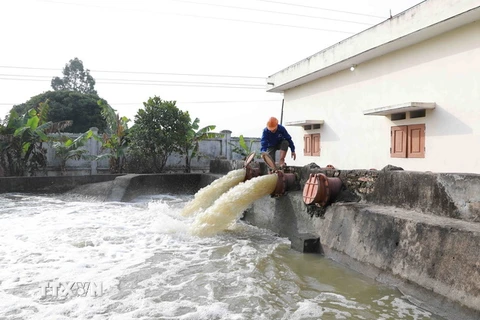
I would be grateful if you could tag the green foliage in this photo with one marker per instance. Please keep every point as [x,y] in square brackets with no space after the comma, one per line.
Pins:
[78,107]
[21,149]
[160,129]
[75,78]
[115,139]
[66,148]
[244,149]
[193,137]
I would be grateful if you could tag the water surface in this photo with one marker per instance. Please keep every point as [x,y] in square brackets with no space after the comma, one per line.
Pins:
[151,267]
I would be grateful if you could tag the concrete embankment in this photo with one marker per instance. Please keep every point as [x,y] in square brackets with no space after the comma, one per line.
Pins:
[110,187]
[57,184]
[417,231]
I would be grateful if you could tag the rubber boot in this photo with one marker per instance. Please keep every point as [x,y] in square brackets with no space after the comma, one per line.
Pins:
[281,163]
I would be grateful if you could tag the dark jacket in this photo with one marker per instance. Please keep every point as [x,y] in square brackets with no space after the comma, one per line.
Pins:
[270,139]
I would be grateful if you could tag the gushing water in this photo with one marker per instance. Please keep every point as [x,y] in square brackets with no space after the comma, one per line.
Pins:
[206,196]
[226,210]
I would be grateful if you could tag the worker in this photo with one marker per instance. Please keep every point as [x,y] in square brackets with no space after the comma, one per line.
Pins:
[275,137]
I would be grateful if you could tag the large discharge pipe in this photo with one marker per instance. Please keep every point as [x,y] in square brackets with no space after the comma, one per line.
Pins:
[319,190]
[286,180]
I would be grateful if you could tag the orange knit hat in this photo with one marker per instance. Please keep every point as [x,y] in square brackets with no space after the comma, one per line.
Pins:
[272,124]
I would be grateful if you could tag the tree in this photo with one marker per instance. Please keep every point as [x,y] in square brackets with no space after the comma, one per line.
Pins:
[192,140]
[160,130]
[74,98]
[82,109]
[75,78]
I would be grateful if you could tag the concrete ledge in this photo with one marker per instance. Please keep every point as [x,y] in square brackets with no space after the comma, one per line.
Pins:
[439,254]
[110,187]
[454,195]
[446,194]
[128,187]
[56,184]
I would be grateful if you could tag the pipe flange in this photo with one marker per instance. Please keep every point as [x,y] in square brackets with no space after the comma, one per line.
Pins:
[281,186]
[249,159]
[316,190]
[323,180]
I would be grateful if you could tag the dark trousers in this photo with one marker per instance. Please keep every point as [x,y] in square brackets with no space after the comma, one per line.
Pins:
[281,146]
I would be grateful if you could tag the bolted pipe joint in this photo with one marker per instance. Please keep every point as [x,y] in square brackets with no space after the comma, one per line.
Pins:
[286,181]
[251,171]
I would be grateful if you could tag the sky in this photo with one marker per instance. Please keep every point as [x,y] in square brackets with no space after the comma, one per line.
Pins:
[211,56]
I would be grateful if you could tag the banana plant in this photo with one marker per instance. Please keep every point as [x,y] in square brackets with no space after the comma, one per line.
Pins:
[66,149]
[22,140]
[115,140]
[11,147]
[194,136]
[243,149]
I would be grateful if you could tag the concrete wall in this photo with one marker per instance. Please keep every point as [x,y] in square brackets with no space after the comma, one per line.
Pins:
[109,187]
[79,167]
[208,149]
[444,70]
[55,184]
[127,187]
[220,148]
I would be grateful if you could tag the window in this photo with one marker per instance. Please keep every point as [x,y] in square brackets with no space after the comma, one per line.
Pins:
[311,144]
[417,114]
[398,116]
[312,126]
[408,141]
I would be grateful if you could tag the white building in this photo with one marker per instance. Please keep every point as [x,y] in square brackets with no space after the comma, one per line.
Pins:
[405,92]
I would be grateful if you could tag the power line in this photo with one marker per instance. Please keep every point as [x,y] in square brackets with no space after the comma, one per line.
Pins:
[276,12]
[217,18]
[183,102]
[182,82]
[195,102]
[140,80]
[144,72]
[190,85]
[326,9]
[166,84]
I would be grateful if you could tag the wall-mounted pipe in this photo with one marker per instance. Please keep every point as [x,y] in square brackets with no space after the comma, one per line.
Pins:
[321,190]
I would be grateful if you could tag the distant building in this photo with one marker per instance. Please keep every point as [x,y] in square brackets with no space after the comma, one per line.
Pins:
[405,92]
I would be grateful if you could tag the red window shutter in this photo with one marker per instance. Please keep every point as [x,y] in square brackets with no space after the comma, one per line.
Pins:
[416,141]
[398,147]
[307,145]
[316,144]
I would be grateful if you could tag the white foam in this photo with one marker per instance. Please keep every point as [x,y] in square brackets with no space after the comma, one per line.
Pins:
[206,196]
[228,208]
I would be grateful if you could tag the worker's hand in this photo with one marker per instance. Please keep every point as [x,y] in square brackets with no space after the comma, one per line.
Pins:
[294,155]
